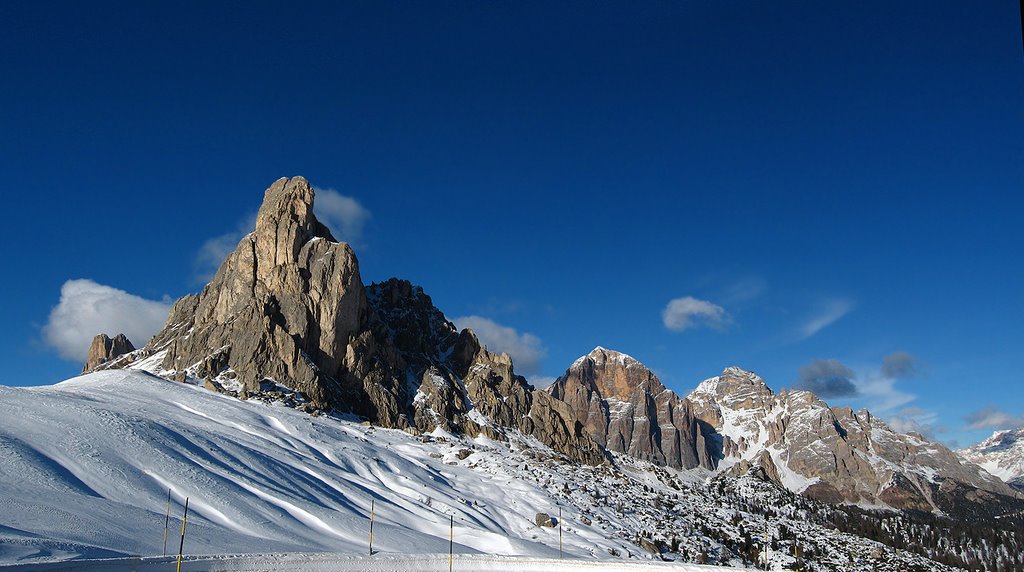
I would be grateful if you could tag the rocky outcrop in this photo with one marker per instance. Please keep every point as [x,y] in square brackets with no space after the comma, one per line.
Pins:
[282,306]
[626,409]
[104,349]
[417,370]
[832,453]
[288,307]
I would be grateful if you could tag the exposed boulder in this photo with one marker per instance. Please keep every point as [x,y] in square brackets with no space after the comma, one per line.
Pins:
[104,349]
[545,520]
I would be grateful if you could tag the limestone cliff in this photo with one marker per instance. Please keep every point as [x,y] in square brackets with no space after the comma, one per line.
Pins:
[103,350]
[626,409]
[833,453]
[288,307]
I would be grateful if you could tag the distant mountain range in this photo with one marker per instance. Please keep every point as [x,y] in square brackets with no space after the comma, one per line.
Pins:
[287,319]
[1002,455]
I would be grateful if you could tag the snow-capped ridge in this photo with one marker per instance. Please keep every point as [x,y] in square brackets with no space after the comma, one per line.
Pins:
[1001,454]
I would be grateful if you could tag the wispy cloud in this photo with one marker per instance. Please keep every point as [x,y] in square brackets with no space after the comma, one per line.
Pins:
[542,381]
[828,314]
[343,214]
[526,349]
[882,394]
[880,387]
[744,290]
[211,254]
[876,388]
[87,308]
[899,365]
[827,378]
[689,312]
[915,419]
[993,418]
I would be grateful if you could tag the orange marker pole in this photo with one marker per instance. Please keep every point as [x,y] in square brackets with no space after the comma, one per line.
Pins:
[371,527]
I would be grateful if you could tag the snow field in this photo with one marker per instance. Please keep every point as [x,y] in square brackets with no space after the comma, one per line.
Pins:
[85,466]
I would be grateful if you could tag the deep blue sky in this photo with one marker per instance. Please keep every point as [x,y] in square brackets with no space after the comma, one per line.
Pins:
[562,169]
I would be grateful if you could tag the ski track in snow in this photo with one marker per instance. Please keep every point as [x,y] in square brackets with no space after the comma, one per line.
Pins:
[85,466]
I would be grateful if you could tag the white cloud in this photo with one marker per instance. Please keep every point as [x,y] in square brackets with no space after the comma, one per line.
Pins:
[689,312]
[342,214]
[526,349]
[992,418]
[87,308]
[914,419]
[828,314]
[882,394]
[542,381]
[213,252]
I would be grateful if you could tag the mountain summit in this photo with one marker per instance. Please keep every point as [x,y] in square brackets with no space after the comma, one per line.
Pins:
[1002,454]
[626,409]
[833,453]
[288,308]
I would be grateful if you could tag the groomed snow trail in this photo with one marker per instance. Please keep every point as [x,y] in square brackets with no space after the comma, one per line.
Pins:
[298,562]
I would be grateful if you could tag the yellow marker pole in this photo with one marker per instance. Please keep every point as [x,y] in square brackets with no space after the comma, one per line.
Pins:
[371,527]
[451,542]
[167,520]
[181,546]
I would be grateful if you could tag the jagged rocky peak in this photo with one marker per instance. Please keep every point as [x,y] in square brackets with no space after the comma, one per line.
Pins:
[288,305]
[104,349]
[616,374]
[833,453]
[282,306]
[625,408]
[742,389]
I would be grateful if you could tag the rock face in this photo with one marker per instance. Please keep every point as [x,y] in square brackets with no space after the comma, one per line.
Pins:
[104,349]
[833,453]
[626,409]
[1002,455]
[288,306]
[411,368]
[282,305]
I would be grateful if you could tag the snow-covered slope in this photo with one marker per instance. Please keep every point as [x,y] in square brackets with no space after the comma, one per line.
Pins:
[85,466]
[1002,454]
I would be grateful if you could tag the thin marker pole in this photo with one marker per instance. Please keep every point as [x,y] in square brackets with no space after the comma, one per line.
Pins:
[181,546]
[559,533]
[371,527]
[451,542]
[167,520]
